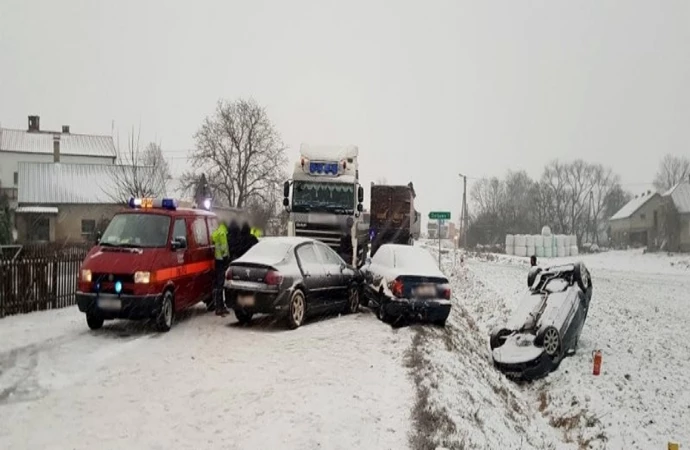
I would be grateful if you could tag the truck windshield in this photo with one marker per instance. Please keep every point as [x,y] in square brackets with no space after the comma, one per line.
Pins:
[137,230]
[337,198]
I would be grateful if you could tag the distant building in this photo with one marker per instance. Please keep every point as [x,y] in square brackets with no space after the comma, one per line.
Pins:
[35,145]
[66,202]
[675,224]
[637,224]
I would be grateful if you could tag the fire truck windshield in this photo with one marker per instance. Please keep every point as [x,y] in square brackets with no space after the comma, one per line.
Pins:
[338,198]
[137,230]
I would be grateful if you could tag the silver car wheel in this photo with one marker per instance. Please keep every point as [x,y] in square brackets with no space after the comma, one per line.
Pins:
[298,309]
[552,341]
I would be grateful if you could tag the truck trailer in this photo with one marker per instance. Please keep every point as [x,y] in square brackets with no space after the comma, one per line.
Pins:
[324,199]
[393,216]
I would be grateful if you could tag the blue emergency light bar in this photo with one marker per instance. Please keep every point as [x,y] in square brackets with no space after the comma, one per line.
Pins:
[323,168]
[146,203]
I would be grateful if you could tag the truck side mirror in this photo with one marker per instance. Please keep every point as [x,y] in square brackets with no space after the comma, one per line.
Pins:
[98,237]
[286,202]
[360,207]
[360,195]
[286,191]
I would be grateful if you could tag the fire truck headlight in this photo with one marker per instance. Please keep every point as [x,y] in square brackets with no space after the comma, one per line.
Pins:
[142,277]
[86,275]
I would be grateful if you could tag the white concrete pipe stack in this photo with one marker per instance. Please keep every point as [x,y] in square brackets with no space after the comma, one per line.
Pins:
[510,244]
[520,245]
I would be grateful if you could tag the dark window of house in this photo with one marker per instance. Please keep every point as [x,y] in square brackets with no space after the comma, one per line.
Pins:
[643,216]
[656,220]
[39,228]
[88,226]
[16,178]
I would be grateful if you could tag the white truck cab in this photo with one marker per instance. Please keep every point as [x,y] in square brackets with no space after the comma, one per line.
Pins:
[326,193]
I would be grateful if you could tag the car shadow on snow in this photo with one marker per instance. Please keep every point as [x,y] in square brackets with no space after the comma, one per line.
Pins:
[126,329]
[273,324]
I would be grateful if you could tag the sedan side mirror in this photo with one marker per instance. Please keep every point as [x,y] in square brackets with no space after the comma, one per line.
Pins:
[178,243]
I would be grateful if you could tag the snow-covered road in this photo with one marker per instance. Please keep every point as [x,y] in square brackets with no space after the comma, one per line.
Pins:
[336,383]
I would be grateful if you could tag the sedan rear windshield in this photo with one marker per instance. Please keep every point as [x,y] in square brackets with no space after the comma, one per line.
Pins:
[137,230]
[412,258]
[268,248]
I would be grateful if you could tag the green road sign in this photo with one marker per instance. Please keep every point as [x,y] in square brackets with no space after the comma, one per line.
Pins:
[439,215]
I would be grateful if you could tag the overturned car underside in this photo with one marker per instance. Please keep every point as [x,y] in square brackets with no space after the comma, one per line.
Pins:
[547,324]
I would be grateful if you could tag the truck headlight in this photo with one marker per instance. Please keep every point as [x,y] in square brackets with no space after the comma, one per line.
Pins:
[86,275]
[142,277]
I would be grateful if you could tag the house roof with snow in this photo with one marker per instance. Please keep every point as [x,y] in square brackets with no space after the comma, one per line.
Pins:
[41,142]
[680,194]
[60,183]
[633,205]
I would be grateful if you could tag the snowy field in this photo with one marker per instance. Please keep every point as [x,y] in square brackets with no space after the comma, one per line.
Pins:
[336,383]
[352,382]
[640,308]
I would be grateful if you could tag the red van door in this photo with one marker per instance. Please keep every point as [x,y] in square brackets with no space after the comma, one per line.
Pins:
[202,260]
[184,283]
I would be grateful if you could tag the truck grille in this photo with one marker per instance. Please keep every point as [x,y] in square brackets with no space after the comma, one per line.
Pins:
[330,238]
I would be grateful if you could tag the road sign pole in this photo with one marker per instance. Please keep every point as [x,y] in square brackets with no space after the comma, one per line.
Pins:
[439,244]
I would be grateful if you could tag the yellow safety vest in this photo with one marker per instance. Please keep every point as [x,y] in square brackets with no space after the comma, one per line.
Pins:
[220,241]
[256,232]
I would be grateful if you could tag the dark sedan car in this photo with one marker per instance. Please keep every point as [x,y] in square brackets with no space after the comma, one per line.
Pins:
[404,282]
[290,277]
[547,324]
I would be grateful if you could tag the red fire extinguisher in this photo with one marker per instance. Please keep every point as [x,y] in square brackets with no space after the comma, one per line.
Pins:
[596,370]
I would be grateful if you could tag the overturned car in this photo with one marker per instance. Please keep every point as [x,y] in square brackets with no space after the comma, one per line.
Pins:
[547,324]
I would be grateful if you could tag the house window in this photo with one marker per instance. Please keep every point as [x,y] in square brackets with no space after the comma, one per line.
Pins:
[88,227]
[643,216]
[38,228]
[16,178]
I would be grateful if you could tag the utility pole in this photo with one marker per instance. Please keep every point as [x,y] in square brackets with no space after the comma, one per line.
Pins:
[463,213]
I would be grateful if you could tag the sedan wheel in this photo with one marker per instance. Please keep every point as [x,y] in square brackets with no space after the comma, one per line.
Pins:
[352,300]
[298,308]
[552,342]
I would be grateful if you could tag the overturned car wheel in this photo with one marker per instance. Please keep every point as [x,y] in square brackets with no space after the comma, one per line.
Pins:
[552,342]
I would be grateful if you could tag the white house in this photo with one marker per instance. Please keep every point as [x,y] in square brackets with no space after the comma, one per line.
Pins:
[39,146]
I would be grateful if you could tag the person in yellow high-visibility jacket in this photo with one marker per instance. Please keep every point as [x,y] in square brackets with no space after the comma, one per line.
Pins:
[256,232]
[222,257]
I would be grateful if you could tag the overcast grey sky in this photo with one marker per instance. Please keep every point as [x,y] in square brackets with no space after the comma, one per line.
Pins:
[425,89]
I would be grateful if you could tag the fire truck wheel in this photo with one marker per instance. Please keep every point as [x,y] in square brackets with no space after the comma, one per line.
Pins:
[94,321]
[164,319]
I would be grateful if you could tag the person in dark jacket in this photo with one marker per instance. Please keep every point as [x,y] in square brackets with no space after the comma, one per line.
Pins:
[345,249]
[234,240]
[246,239]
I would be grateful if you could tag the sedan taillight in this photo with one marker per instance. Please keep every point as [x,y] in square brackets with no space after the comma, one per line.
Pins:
[445,291]
[273,278]
[228,274]
[397,287]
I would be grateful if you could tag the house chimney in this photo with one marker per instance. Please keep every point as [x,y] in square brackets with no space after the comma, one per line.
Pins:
[34,123]
[65,129]
[56,148]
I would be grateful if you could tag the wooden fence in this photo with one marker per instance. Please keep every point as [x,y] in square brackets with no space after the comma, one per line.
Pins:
[34,283]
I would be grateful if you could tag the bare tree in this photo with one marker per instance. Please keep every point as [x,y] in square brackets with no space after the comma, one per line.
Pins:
[672,170]
[605,184]
[241,153]
[139,173]
[487,196]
